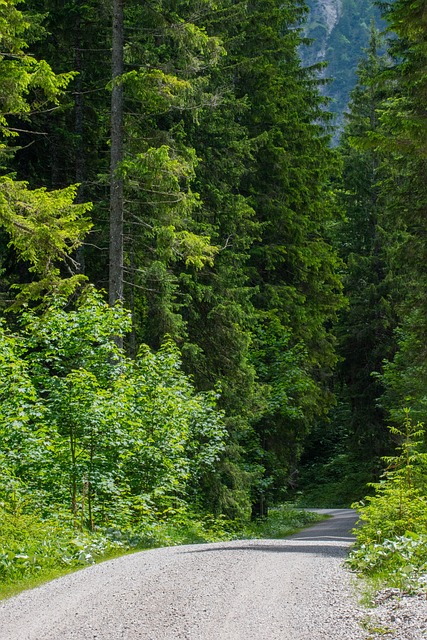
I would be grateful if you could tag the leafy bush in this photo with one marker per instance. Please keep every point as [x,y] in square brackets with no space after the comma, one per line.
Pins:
[31,546]
[401,562]
[392,541]
[400,501]
[86,429]
[282,521]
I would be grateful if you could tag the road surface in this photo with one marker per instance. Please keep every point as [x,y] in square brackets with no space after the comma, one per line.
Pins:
[293,589]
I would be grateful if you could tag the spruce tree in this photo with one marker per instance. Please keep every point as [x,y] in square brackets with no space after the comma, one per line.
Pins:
[366,328]
[292,269]
[257,319]
[403,135]
[42,227]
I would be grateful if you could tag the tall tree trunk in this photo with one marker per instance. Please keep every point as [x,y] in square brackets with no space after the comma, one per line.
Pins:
[79,130]
[116,192]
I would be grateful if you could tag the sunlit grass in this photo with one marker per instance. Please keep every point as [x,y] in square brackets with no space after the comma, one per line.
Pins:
[281,522]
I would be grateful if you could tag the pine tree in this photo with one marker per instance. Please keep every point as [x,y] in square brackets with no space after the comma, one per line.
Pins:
[292,269]
[42,227]
[366,328]
[404,134]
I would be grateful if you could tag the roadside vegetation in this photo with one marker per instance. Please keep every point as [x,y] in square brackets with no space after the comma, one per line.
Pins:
[391,545]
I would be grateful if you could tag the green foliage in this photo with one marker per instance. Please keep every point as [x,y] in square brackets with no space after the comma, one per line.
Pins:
[281,521]
[335,483]
[399,141]
[392,538]
[26,84]
[290,399]
[31,546]
[44,228]
[332,472]
[170,57]
[291,268]
[108,438]
[400,562]
[404,377]
[365,330]
[399,503]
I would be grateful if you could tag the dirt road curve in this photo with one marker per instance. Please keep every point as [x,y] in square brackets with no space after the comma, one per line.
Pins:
[294,589]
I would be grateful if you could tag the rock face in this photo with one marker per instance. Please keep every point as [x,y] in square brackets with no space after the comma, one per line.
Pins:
[339,30]
[327,13]
[331,10]
[323,19]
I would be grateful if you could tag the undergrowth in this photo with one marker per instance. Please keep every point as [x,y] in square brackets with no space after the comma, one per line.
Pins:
[391,547]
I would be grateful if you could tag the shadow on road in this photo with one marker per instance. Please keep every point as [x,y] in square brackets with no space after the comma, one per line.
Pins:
[330,537]
[333,550]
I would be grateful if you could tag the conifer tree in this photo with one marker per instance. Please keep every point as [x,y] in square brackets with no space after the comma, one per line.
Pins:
[219,313]
[403,135]
[366,328]
[42,227]
[292,266]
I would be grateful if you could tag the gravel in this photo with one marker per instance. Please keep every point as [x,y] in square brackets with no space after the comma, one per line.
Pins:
[293,589]
[398,616]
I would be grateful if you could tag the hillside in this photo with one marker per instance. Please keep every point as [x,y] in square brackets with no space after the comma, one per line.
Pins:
[339,30]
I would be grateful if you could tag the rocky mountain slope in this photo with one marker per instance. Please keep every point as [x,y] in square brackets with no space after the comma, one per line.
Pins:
[339,30]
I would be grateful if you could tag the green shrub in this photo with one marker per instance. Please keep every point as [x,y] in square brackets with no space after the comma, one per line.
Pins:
[400,562]
[88,430]
[282,521]
[32,546]
[392,538]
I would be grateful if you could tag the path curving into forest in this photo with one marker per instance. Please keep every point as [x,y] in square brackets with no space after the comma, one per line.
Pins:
[293,589]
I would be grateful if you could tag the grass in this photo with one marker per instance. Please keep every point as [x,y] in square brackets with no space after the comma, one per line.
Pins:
[14,587]
[281,522]
[44,552]
[9,589]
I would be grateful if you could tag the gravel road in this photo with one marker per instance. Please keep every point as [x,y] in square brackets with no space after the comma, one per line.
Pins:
[293,589]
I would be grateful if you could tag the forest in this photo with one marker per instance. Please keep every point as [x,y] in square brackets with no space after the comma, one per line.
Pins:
[207,309]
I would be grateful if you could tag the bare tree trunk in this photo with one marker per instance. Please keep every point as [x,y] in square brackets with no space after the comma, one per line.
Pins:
[73,473]
[132,337]
[116,192]
[79,131]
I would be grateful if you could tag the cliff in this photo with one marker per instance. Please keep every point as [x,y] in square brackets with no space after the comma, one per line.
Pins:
[339,30]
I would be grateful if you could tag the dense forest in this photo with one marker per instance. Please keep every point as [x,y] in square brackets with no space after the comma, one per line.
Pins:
[206,308]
